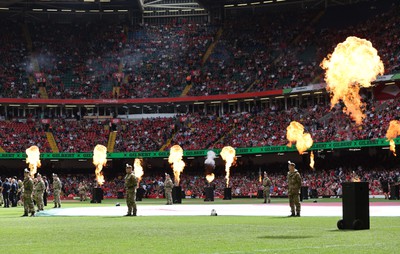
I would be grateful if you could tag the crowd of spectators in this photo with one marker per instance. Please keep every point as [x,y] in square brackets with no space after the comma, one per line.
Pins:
[196,131]
[17,136]
[254,53]
[144,135]
[159,61]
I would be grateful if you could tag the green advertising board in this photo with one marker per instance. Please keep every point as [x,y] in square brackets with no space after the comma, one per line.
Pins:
[194,153]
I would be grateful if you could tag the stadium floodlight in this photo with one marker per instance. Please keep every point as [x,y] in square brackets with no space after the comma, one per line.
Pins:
[33,105]
[229,5]
[80,11]
[105,1]
[37,9]
[66,10]
[215,102]
[108,10]
[122,10]
[94,10]
[4,9]
[242,4]
[255,3]
[52,10]
[201,9]
[88,1]
[173,10]
[268,2]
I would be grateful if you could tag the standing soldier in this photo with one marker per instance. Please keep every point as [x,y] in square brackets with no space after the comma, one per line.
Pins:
[82,191]
[131,184]
[38,191]
[1,193]
[46,190]
[56,191]
[19,193]
[266,188]
[294,184]
[168,185]
[27,195]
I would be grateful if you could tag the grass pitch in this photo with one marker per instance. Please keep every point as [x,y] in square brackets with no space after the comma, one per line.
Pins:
[191,234]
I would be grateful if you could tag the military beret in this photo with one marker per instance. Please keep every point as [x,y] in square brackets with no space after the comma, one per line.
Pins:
[54,175]
[39,175]
[26,170]
[128,166]
[291,163]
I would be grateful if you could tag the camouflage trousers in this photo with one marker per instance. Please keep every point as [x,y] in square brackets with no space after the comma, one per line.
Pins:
[39,200]
[266,196]
[28,203]
[82,195]
[294,202]
[131,201]
[1,199]
[57,201]
[168,196]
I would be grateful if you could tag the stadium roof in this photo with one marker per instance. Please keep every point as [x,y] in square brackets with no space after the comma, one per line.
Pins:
[69,4]
[141,5]
[256,3]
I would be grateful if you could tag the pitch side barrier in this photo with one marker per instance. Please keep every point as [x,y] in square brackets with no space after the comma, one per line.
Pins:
[355,144]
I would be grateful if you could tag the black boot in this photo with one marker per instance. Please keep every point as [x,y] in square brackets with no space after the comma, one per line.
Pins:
[298,214]
[24,215]
[32,214]
[292,215]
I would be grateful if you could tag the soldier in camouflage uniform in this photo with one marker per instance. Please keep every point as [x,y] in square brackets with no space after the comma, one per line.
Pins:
[82,188]
[27,195]
[168,185]
[56,191]
[131,184]
[294,185]
[266,188]
[38,191]
[1,191]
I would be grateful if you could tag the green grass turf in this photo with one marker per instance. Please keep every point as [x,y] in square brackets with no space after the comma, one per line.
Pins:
[191,234]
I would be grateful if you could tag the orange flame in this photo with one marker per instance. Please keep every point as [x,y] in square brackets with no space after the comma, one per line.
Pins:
[210,177]
[392,133]
[295,134]
[353,64]
[228,154]
[33,159]
[312,160]
[260,178]
[175,158]
[138,169]
[99,160]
